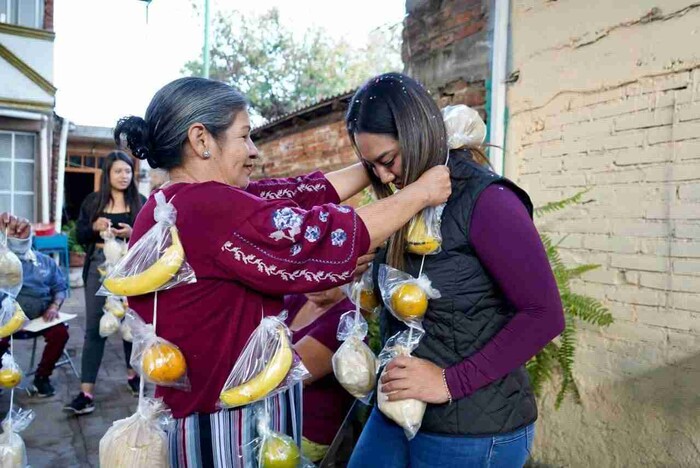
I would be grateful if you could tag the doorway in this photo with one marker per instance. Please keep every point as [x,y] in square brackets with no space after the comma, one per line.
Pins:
[78,185]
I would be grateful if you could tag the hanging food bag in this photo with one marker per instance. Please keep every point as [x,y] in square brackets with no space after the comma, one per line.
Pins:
[405,296]
[354,364]
[267,365]
[12,451]
[10,270]
[406,413]
[12,317]
[424,236]
[155,263]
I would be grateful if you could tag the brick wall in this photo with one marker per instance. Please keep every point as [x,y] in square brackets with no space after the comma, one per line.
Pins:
[445,46]
[48,15]
[609,99]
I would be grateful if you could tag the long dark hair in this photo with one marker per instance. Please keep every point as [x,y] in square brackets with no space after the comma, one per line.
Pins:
[397,105]
[131,194]
[159,136]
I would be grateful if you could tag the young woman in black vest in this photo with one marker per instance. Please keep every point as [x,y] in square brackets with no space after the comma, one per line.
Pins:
[113,208]
[499,305]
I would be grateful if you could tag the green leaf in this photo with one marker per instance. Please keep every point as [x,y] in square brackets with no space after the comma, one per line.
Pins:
[561,204]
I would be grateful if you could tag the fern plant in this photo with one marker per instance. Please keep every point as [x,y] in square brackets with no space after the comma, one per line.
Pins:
[558,356]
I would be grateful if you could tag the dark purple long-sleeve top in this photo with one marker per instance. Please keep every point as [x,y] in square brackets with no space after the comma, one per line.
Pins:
[507,244]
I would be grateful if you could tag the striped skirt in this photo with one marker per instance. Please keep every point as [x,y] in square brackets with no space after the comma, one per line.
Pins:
[228,438]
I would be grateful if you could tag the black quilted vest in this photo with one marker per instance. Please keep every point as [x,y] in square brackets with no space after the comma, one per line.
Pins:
[470,312]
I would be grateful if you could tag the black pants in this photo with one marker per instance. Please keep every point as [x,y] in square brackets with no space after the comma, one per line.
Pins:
[94,344]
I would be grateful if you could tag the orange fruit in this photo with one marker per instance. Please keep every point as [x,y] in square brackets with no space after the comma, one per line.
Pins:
[9,378]
[409,301]
[163,363]
[368,300]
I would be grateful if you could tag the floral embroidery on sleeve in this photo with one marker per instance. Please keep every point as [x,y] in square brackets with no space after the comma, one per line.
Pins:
[342,209]
[323,216]
[286,219]
[294,251]
[338,237]
[312,234]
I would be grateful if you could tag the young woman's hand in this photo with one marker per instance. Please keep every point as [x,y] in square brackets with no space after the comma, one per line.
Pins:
[124,231]
[412,377]
[101,224]
[18,228]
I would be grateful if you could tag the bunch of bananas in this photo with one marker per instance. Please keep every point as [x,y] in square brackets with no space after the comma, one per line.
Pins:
[153,277]
[266,380]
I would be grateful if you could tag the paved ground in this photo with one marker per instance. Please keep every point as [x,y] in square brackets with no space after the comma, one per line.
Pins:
[56,439]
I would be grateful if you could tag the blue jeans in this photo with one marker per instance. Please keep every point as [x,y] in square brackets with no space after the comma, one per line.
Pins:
[384,444]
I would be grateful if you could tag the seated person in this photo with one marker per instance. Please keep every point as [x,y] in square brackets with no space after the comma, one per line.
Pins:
[43,292]
[313,320]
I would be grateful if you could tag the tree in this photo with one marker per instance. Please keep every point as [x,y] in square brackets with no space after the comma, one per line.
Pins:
[259,55]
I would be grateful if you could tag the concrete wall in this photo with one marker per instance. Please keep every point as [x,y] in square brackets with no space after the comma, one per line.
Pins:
[608,97]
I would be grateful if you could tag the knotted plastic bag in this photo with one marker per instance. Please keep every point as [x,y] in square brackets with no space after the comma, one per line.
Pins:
[276,450]
[406,297]
[464,127]
[125,330]
[12,451]
[267,365]
[406,413]
[424,236]
[109,324]
[114,250]
[156,359]
[12,317]
[363,287]
[116,305]
[354,364]
[155,263]
[139,441]
[10,374]
[11,275]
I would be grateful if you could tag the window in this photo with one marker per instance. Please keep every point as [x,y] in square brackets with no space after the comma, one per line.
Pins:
[17,173]
[29,13]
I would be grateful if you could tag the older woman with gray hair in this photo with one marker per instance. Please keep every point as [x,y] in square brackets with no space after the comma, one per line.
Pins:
[249,243]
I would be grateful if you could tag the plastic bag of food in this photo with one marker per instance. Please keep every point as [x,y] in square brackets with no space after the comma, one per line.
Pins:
[12,317]
[109,324]
[368,300]
[424,236]
[156,359]
[406,297]
[10,373]
[354,364]
[125,330]
[155,263]
[276,450]
[12,450]
[11,275]
[267,365]
[406,413]
[139,441]
[116,305]
[114,249]
[464,127]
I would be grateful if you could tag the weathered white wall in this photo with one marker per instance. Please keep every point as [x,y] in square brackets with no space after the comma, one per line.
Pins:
[37,53]
[608,97]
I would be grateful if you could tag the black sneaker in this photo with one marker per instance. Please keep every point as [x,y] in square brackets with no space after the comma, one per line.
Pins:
[134,383]
[80,405]
[42,387]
